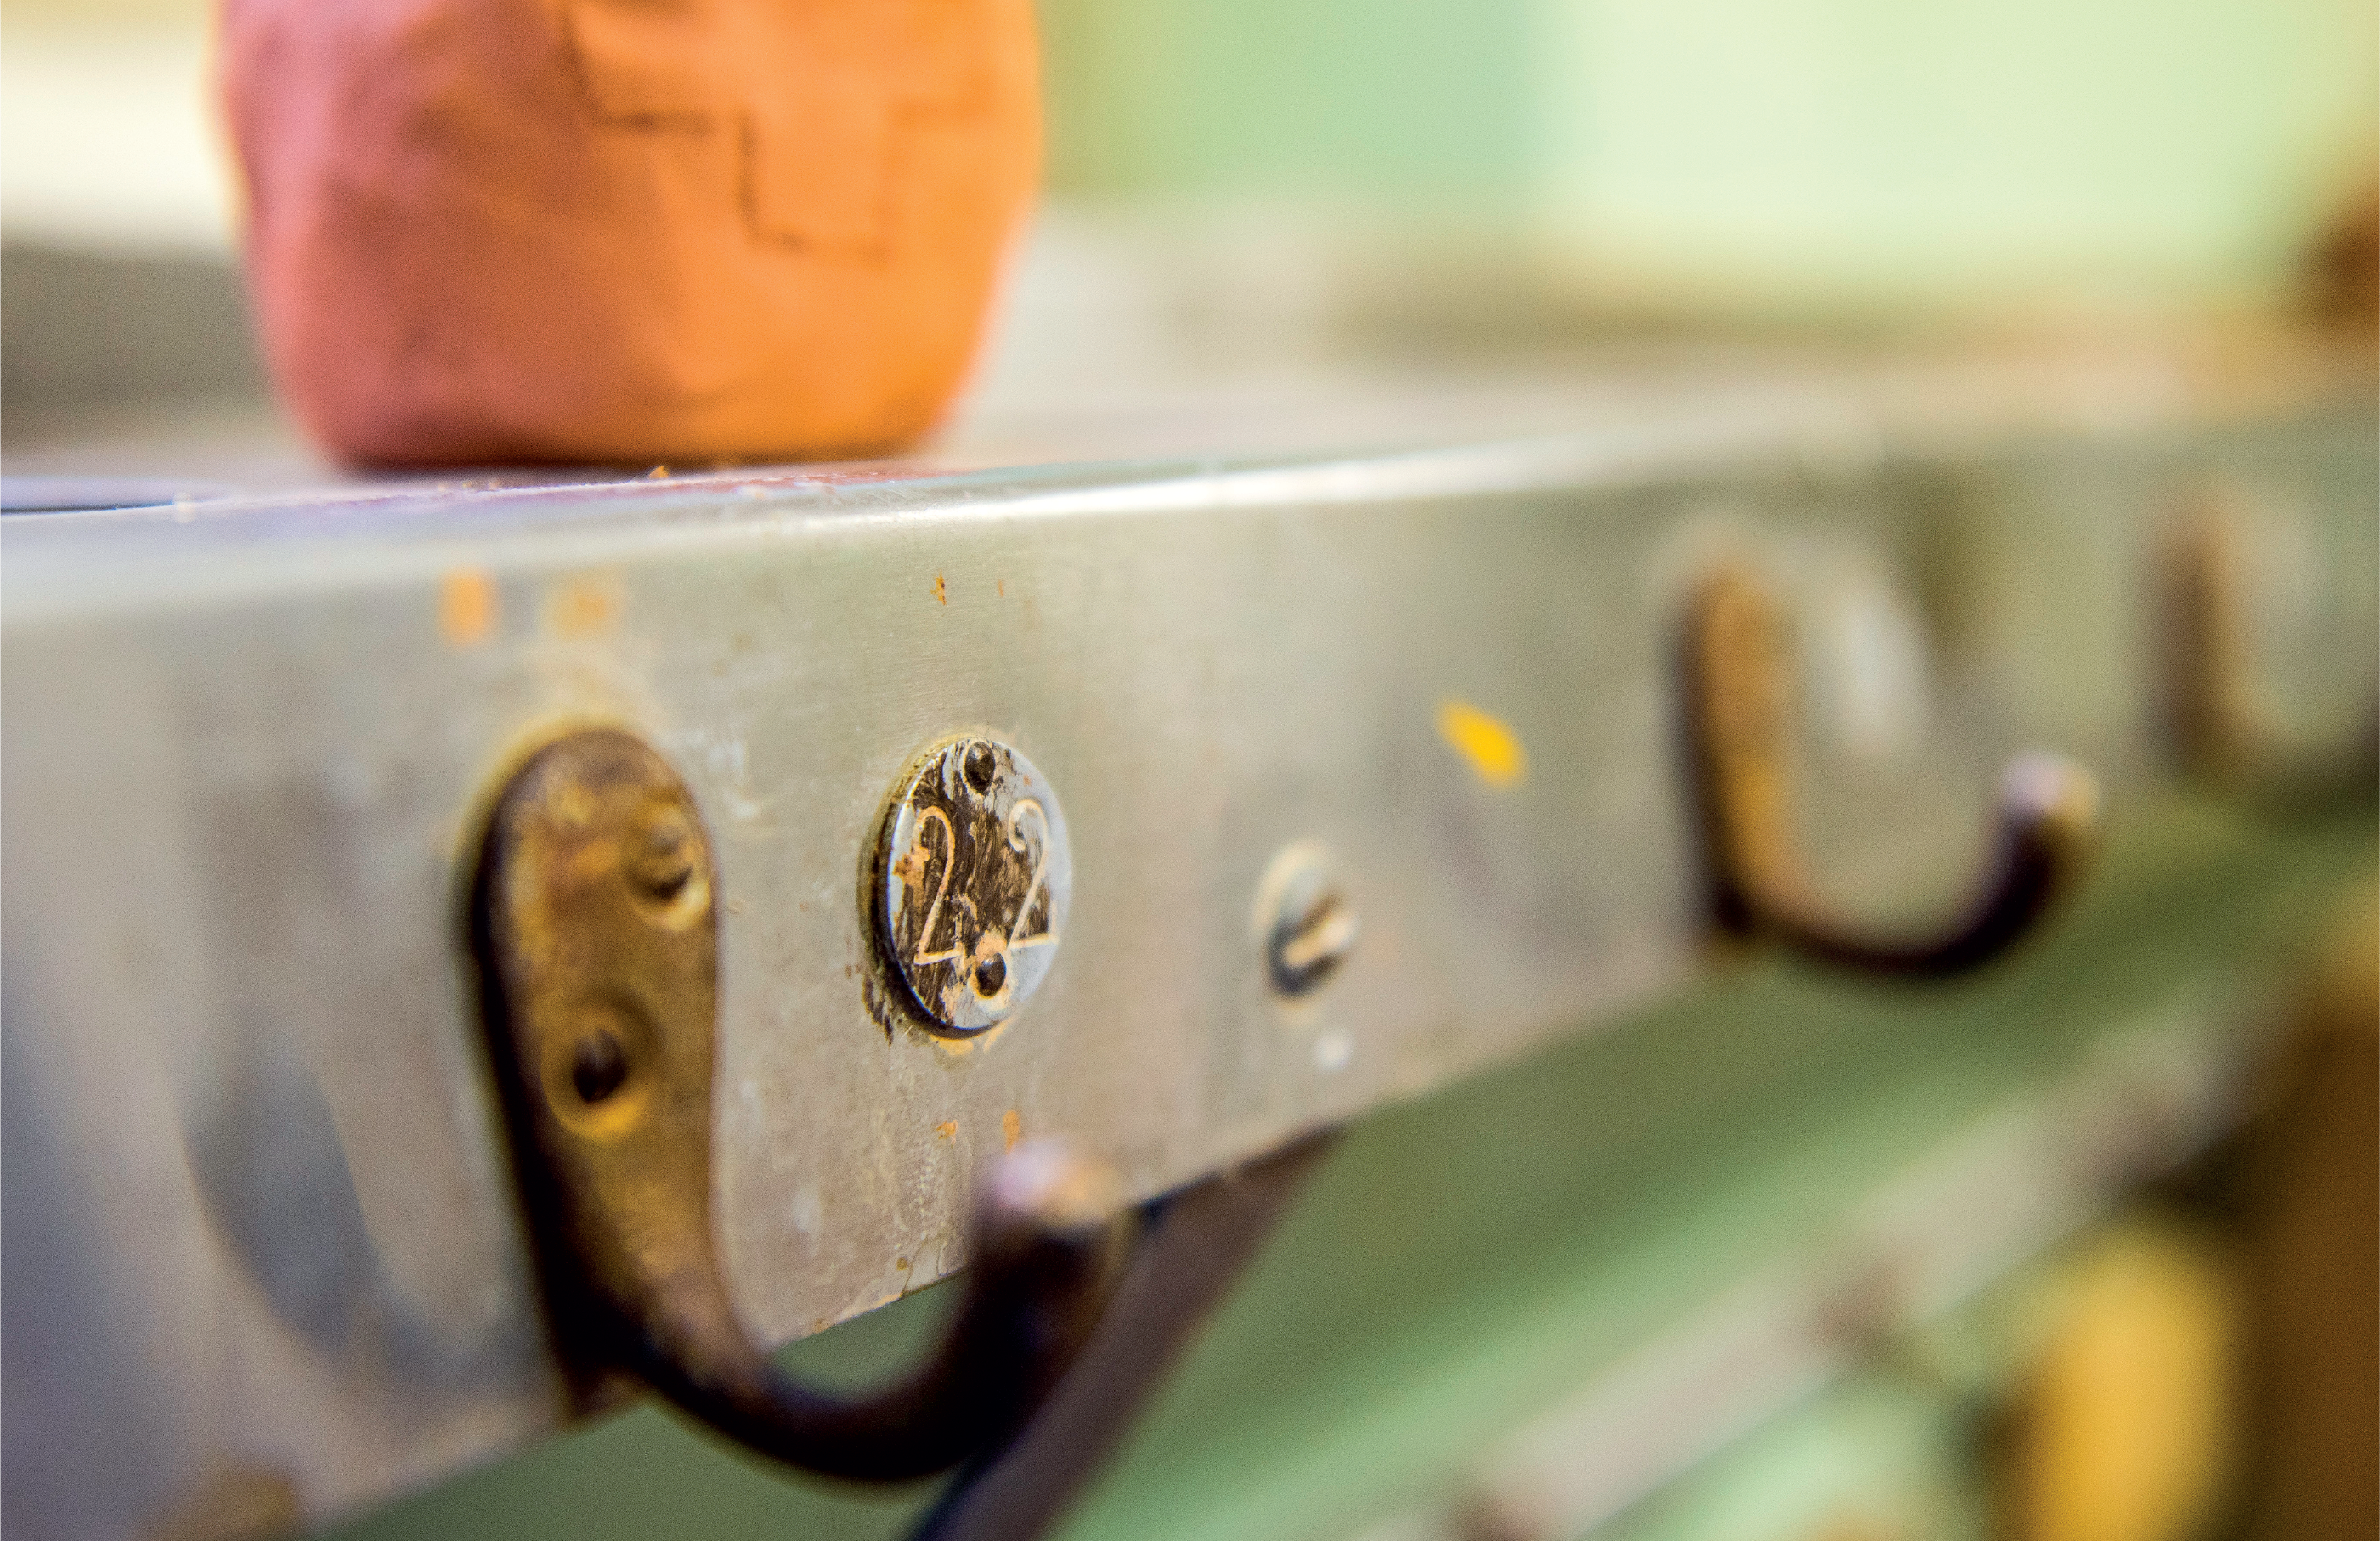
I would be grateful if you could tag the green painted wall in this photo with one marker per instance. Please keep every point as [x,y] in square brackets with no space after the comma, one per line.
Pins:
[1336,102]
[2028,154]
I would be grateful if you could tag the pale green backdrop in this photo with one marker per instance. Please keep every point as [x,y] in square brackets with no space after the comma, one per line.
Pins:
[1981,154]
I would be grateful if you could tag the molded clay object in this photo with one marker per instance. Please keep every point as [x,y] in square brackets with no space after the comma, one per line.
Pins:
[627,230]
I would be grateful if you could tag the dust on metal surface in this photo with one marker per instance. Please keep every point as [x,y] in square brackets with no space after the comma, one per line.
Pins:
[974,879]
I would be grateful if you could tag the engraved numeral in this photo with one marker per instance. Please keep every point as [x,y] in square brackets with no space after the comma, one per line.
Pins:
[1040,869]
[934,911]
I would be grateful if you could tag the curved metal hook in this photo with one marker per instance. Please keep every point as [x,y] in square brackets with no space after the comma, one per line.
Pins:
[2220,725]
[595,931]
[1739,701]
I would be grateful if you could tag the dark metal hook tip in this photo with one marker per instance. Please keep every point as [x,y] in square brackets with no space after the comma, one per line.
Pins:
[1042,1272]
[2048,820]
[2053,801]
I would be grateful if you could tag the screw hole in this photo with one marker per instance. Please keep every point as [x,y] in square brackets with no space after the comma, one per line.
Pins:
[979,768]
[661,859]
[989,975]
[599,1067]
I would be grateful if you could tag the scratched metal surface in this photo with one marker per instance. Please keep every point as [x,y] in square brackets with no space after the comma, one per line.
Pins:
[256,1220]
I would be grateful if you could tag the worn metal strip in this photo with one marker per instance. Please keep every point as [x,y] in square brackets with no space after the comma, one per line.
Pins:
[257,1218]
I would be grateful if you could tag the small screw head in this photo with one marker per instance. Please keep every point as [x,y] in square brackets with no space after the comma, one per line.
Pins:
[1304,919]
[599,1067]
[979,768]
[659,858]
[665,865]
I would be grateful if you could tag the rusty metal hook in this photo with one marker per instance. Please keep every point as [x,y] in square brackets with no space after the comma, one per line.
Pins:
[593,924]
[1740,704]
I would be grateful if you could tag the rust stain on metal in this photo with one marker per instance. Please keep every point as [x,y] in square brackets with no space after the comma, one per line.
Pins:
[877,999]
[583,607]
[467,607]
[941,592]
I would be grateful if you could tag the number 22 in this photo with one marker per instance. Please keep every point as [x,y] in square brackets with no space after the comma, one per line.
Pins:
[1016,842]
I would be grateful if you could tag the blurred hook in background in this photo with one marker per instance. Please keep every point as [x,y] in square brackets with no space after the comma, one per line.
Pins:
[1740,700]
[2222,727]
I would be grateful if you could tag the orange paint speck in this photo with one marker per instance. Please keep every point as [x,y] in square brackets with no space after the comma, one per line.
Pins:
[1012,1129]
[941,595]
[466,607]
[583,607]
[1003,587]
[946,1131]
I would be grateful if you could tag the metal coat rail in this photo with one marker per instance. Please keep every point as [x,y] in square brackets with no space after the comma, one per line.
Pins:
[1375,769]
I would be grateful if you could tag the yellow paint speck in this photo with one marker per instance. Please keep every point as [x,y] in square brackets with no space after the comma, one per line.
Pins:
[946,1131]
[941,594]
[1488,743]
[1012,1129]
[466,607]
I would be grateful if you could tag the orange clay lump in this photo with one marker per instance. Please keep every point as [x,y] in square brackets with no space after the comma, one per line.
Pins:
[625,231]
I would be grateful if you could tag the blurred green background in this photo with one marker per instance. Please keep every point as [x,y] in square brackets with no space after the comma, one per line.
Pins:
[1983,154]
[1979,156]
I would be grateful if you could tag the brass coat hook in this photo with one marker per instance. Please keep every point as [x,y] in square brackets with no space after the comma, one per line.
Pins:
[594,928]
[1740,704]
